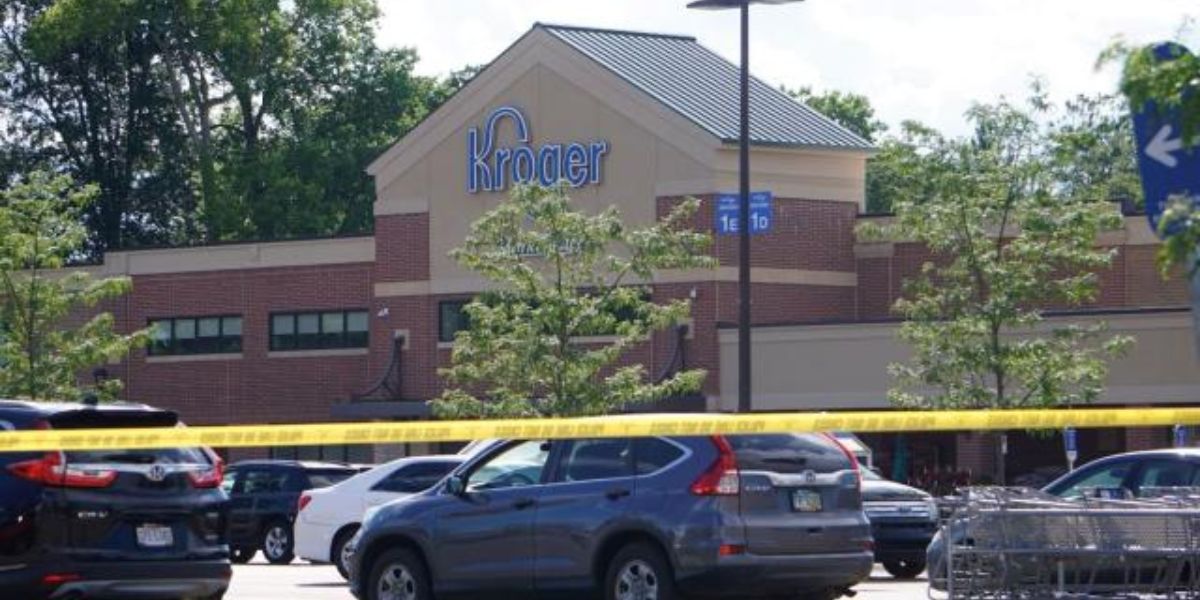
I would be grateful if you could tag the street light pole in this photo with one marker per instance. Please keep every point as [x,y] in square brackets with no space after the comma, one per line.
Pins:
[744,362]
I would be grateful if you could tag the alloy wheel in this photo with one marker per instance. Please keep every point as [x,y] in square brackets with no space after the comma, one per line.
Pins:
[396,583]
[637,581]
[275,543]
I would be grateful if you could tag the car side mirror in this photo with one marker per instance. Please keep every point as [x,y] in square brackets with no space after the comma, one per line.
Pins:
[455,485]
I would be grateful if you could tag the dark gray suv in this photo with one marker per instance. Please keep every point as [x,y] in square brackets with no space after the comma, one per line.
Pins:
[634,519]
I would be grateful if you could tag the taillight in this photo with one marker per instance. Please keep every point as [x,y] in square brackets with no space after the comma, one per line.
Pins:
[721,479]
[51,469]
[210,477]
[849,455]
[303,501]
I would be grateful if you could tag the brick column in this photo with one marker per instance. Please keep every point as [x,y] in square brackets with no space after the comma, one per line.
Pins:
[1146,438]
[976,453]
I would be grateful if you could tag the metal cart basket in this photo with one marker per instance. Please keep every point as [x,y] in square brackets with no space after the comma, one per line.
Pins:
[1018,543]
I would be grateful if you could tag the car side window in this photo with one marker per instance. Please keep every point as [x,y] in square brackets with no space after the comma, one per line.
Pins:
[263,481]
[652,454]
[412,479]
[1106,476]
[228,480]
[519,465]
[589,460]
[1164,473]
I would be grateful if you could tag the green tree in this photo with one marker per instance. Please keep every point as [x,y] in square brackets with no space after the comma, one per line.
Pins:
[204,120]
[79,96]
[41,353]
[561,275]
[850,110]
[1006,242]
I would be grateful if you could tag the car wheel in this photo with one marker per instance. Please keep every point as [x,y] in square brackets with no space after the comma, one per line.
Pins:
[639,572]
[277,543]
[340,554]
[904,569]
[242,556]
[398,575]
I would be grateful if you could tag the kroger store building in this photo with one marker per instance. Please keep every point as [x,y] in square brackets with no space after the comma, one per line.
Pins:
[356,328]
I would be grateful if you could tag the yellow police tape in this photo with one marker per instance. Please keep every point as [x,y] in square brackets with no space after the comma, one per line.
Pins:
[230,436]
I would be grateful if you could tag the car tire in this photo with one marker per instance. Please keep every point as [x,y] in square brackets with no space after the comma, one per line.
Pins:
[904,569]
[241,556]
[639,570]
[398,575]
[339,547]
[278,542]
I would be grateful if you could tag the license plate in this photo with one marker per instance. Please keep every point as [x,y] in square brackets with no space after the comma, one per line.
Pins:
[155,536]
[806,501]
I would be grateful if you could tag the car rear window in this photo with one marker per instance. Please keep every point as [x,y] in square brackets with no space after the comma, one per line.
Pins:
[166,456]
[320,479]
[788,453]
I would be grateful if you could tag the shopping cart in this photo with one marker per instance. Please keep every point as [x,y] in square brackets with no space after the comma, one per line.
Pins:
[1019,543]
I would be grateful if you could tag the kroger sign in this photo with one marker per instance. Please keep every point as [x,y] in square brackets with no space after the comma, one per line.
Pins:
[492,169]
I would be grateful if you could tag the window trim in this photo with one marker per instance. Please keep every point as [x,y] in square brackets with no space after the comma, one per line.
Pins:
[174,351]
[344,334]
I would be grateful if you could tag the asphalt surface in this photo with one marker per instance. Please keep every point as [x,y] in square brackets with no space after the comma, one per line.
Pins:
[302,581]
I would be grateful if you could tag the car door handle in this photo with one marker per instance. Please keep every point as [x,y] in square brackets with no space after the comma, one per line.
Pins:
[617,494]
[524,503]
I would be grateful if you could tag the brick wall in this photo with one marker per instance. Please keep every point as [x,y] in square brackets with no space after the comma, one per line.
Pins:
[1131,281]
[402,247]
[254,387]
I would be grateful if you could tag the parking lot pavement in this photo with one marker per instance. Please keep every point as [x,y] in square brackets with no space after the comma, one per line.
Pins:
[302,581]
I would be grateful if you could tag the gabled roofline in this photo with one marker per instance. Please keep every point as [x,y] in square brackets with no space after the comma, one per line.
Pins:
[389,154]
[653,34]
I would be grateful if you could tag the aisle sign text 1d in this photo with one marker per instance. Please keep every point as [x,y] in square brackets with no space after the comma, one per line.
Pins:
[492,168]
[728,216]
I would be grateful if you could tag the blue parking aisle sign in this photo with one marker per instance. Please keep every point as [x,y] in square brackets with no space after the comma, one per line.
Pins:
[761,213]
[1167,167]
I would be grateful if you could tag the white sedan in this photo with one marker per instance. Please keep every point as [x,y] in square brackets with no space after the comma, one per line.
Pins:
[329,517]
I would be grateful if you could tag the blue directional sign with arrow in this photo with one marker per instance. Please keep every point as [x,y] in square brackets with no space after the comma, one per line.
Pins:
[1168,169]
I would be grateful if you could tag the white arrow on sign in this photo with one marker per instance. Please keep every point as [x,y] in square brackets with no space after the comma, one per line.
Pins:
[1161,147]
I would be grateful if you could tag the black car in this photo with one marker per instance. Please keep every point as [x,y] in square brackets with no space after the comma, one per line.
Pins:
[903,522]
[754,516]
[109,523]
[264,496]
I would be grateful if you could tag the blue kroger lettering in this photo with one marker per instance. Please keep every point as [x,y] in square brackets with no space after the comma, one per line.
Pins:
[493,169]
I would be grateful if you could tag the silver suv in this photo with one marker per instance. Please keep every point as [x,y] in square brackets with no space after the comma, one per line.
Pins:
[636,518]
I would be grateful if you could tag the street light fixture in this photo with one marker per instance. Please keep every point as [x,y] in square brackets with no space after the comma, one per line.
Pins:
[744,387]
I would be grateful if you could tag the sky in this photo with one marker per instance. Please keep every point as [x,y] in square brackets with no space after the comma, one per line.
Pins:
[914,59]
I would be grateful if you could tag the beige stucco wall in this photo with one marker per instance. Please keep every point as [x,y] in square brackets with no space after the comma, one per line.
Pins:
[845,366]
[566,97]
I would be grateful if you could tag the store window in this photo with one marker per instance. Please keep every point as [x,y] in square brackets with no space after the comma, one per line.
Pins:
[195,335]
[319,330]
[452,318]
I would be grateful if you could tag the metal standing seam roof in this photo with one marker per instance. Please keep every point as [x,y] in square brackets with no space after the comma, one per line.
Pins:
[703,87]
